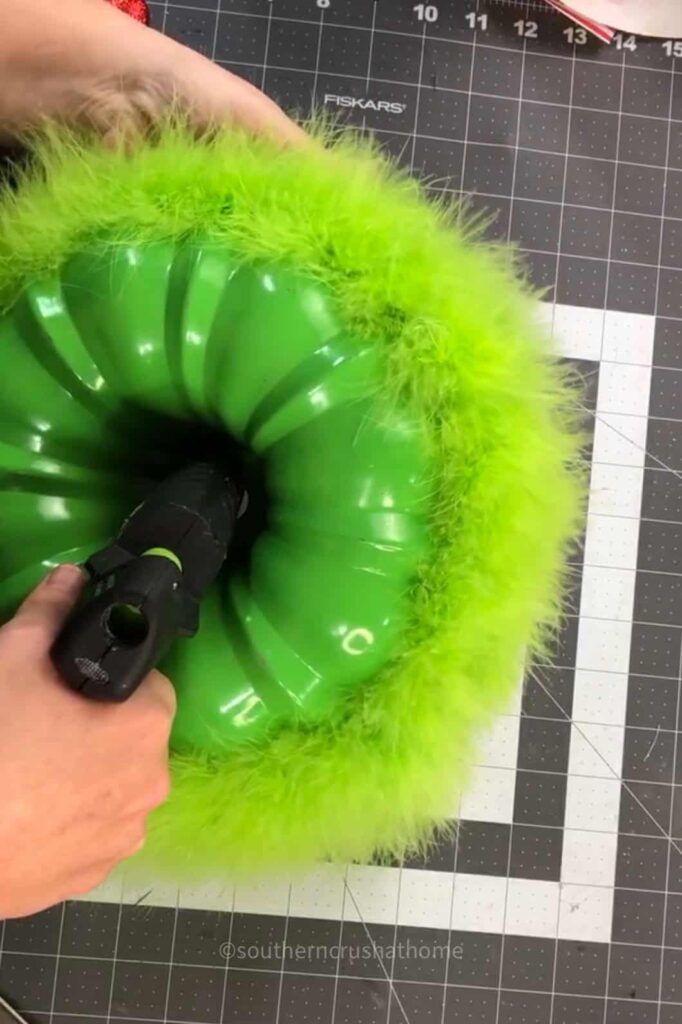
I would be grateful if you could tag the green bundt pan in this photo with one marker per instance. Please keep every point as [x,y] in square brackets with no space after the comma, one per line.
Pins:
[309,320]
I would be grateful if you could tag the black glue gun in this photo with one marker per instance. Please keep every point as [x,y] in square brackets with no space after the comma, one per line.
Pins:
[145,588]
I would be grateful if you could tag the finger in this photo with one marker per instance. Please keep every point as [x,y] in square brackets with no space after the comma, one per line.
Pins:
[215,96]
[156,688]
[52,600]
[129,838]
[84,882]
[253,110]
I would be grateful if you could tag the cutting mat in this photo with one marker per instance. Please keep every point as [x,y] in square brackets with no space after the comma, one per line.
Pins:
[560,902]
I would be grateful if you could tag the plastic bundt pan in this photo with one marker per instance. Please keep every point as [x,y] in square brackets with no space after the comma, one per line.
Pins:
[308,319]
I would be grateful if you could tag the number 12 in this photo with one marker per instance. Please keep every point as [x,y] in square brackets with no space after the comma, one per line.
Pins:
[527,29]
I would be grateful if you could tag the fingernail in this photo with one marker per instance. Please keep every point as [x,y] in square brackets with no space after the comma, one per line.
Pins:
[66,577]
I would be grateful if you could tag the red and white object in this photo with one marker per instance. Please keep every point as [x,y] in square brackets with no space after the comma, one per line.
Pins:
[602,32]
[640,17]
[137,9]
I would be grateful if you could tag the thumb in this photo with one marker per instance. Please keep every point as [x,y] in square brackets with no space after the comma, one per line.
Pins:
[52,600]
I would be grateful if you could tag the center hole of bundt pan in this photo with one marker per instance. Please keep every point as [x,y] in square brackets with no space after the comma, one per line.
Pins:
[171,444]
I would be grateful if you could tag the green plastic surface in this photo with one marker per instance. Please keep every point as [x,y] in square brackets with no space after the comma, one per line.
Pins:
[132,361]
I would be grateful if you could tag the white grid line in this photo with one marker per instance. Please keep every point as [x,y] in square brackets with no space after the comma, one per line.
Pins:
[419,96]
[679,689]
[53,1001]
[172,951]
[114,962]
[679,682]
[317,58]
[556,202]
[666,894]
[610,243]
[562,211]
[450,929]
[337,972]
[309,974]
[370,54]
[354,977]
[226,978]
[391,974]
[467,116]
[511,828]
[282,971]
[372,35]
[266,48]
[656,783]
[564,183]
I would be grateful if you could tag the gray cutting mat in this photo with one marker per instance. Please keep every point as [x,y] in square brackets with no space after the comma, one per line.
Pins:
[561,901]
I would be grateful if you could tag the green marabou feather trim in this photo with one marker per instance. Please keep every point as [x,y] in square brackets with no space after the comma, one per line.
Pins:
[460,343]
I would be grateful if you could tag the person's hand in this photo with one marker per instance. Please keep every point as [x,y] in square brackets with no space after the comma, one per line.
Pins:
[77,778]
[85,60]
